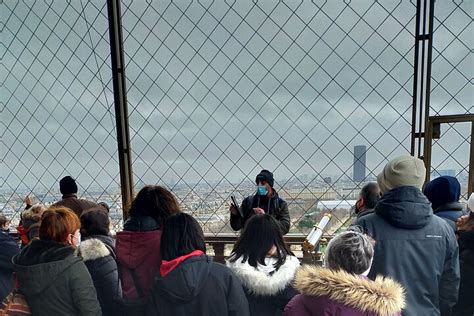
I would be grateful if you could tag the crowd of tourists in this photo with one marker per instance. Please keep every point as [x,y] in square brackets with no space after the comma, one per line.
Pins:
[409,251]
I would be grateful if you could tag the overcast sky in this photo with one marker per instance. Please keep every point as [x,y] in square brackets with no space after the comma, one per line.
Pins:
[222,89]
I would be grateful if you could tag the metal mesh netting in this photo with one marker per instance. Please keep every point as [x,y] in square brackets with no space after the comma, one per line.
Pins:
[452,87]
[219,90]
[450,154]
[453,58]
[56,96]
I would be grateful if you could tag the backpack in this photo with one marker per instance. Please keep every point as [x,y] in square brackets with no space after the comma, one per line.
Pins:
[15,303]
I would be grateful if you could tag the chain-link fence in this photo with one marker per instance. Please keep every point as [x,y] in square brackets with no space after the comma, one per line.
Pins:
[452,87]
[217,91]
[56,99]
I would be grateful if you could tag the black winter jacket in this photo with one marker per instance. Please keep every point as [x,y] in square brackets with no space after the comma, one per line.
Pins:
[267,292]
[198,287]
[465,304]
[274,206]
[415,248]
[99,257]
[55,281]
[8,249]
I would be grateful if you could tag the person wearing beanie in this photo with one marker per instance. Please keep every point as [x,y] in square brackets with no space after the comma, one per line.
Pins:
[68,188]
[265,201]
[412,246]
[443,193]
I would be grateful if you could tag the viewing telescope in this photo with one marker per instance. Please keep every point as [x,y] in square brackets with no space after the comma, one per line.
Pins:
[312,240]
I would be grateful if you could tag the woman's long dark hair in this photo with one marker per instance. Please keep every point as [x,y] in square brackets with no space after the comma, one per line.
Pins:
[261,232]
[156,202]
[181,235]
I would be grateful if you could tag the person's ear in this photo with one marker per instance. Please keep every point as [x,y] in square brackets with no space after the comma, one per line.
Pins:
[69,239]
[361,202]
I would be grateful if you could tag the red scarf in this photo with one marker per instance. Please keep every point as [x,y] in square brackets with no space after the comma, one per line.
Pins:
[168,266]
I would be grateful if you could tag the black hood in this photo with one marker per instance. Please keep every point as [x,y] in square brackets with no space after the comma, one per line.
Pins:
[140,223]
[405,207]
[186,281]
[40,263]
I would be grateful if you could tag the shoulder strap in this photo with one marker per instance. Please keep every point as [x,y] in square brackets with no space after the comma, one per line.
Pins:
[138,287]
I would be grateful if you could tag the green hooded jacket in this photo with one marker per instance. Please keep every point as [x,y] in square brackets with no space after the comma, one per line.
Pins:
[55,281]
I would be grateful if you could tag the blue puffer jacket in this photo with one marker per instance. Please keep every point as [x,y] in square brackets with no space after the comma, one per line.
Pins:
[415,248]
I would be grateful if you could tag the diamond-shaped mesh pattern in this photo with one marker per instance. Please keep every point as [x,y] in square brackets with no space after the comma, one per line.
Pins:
[452,87]
[57,102]
[450,154]
[219,90]
[453,58]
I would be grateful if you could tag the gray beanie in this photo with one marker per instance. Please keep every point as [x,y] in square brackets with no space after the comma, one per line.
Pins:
[402,171]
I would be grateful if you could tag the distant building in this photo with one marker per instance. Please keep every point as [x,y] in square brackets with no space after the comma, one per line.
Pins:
[443,172]
[310,193]
[358,174]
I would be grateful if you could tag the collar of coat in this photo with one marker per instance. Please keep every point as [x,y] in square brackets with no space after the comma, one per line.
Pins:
[259,283]
[382,296]
[92,249]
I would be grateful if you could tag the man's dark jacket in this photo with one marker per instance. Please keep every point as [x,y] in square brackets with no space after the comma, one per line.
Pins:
[55,281]
[274,206]
[8,248]
[77,205]
[465,304]
[199,287]
[415,248]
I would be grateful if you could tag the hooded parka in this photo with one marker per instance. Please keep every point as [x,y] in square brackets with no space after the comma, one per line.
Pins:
[415,248]
[55,281]
[328,292]
[199,287]
[99,256]
[267,290]
[138,249]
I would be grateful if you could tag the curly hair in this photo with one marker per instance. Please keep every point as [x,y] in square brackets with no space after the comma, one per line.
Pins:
[351,251]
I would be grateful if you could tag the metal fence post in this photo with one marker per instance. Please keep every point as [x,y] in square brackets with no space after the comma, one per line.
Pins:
[422,72]
[120,101]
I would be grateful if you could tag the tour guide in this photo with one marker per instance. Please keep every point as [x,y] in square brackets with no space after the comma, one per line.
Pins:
[266,201]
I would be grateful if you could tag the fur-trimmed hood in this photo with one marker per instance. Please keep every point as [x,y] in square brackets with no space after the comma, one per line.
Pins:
[92,249]
[260,283]
[33,214]
[383,296]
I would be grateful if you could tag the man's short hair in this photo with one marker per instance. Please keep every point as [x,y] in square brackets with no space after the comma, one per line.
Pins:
[371,194]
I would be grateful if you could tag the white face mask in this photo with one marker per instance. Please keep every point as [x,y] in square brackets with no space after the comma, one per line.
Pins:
[76,238]
[470,202]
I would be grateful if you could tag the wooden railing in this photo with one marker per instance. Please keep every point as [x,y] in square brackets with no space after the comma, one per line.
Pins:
[219,243]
